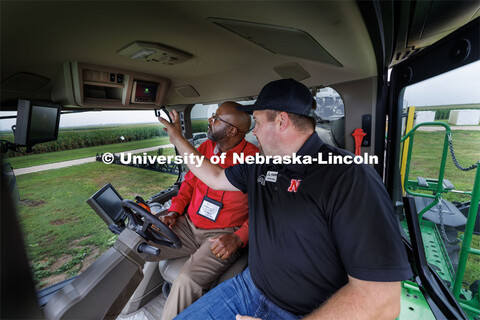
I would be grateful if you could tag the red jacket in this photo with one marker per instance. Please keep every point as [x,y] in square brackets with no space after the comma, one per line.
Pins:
[235,205]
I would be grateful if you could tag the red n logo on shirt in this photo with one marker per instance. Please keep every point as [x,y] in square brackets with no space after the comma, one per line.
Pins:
[294,184]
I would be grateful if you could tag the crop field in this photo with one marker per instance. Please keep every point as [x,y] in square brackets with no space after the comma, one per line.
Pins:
[443,112]
[83,137]
[65,155]
[199,125]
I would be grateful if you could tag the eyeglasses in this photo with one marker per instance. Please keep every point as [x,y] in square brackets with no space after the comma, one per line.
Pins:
[216,117]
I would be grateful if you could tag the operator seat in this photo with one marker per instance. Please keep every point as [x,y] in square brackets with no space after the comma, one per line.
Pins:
[170,269]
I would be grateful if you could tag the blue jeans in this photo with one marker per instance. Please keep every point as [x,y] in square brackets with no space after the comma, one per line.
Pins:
[235,296]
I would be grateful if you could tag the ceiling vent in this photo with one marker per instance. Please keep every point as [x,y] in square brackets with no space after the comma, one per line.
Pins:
[154,52]
[280,40]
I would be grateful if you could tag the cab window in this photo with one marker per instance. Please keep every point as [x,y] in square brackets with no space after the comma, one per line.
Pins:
[63,235]
[449,102]
[331,117]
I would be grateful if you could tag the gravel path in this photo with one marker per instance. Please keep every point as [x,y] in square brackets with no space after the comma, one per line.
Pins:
[75,162]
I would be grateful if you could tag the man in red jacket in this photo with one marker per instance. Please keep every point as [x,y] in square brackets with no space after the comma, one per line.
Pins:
[215,225]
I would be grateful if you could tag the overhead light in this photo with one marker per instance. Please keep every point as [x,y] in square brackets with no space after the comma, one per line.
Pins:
[154,52]
[142,54]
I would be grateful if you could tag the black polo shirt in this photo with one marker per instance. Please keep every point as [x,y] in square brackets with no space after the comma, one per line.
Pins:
[304,239]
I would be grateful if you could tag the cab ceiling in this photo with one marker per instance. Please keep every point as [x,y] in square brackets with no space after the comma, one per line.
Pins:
[37,37]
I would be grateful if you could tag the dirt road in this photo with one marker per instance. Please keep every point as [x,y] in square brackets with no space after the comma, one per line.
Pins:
[75,162]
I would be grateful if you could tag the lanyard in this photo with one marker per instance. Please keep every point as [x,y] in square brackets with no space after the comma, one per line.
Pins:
[244,146]
[221,200]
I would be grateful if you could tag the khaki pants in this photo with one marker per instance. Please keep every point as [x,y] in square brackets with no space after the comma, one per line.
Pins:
[200,271]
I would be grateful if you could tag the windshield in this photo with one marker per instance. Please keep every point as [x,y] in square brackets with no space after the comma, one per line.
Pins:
[63,235]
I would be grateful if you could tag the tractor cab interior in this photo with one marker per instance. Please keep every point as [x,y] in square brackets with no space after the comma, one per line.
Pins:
[360,59]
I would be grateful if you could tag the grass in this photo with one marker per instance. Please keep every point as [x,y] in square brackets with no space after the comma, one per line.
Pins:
[426,155]
[52,157]
[427,152]
[62,233]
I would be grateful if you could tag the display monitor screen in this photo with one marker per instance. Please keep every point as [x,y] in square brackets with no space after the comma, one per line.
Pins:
[107,203]
[111,203]
[43,123]
[145,91]
[37,121]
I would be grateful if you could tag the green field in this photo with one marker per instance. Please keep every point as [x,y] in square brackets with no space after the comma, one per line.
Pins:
[427,152]
[52,157]
[84,137]
[199,125]
[63,234]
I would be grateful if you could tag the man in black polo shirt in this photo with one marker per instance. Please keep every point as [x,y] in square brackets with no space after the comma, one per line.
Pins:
[324,240]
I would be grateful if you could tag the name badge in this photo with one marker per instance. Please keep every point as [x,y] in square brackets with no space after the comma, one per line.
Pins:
[271,176]
[210,208]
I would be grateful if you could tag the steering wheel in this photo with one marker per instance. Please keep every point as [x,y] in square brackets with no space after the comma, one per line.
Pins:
[144,226]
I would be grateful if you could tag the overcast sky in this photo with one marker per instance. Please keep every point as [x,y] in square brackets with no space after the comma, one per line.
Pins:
[460,86]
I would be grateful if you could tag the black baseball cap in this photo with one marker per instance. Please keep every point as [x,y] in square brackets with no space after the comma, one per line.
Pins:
[284,95]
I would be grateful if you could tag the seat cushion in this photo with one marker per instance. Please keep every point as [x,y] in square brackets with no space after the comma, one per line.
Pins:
[234,269]
[171,268]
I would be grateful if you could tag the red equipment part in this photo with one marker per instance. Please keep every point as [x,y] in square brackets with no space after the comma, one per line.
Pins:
[358,135]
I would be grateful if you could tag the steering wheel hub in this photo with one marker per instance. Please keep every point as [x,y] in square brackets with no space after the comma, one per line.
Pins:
[141,221]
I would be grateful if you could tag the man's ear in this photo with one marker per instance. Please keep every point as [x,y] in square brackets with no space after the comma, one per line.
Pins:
[232,131]
[283,120]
